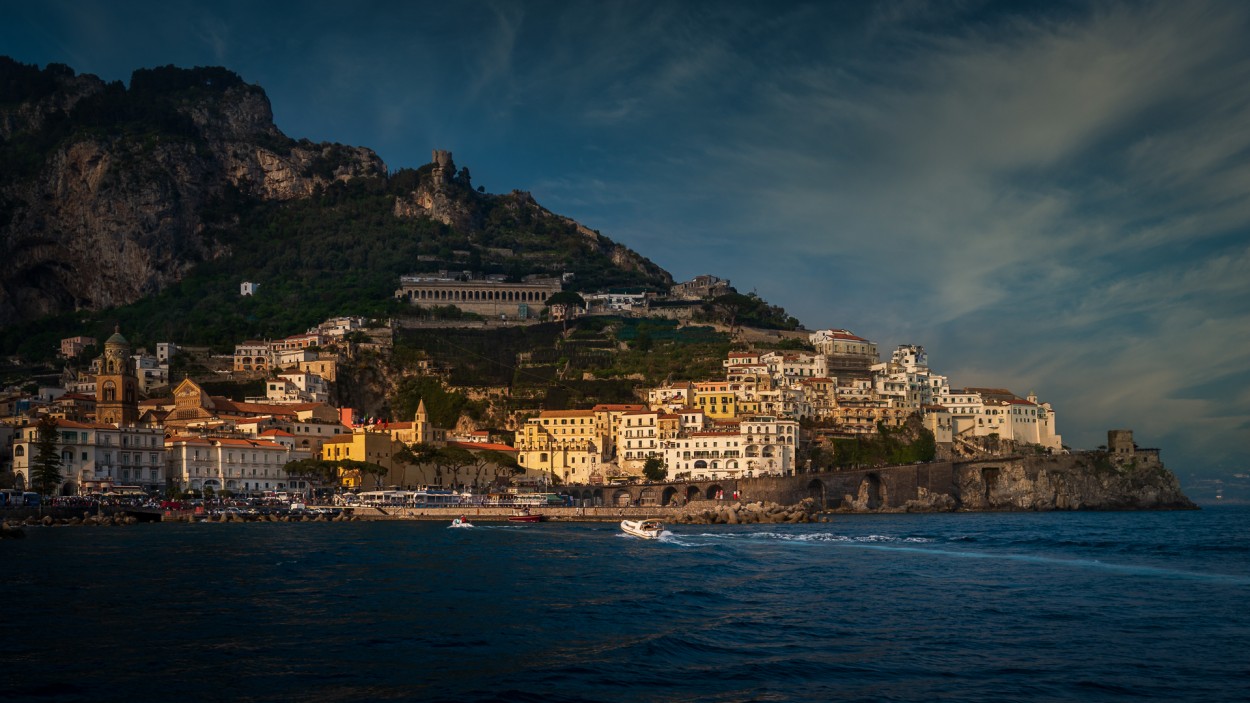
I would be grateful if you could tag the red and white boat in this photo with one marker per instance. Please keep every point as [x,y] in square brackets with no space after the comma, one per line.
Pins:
[524,515]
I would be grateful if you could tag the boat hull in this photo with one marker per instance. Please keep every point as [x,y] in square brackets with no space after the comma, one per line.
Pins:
[642,529]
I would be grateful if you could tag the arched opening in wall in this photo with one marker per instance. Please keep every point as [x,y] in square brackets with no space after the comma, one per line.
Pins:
[669,496]
[69,489]
[649,496]
[871,495]
[713,491]
[989,477]
[597,497]
[816,491]
[621,498]
[692,493]
[700,464]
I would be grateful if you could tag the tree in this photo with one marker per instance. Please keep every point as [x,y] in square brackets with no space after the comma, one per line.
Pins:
[455,460]
[329,471]
[731,307]
[643,341]
[491,459]
[654,469]
[568,299]
[45,466]
[313,469]
[363,468]
[505,464]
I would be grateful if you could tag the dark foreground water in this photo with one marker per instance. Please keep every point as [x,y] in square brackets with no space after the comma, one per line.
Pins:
[982,607]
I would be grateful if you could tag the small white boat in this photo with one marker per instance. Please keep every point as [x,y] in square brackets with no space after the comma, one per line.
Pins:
[461,521]
[642,529]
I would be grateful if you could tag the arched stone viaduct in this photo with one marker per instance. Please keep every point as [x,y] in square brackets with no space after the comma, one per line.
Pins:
[883,487]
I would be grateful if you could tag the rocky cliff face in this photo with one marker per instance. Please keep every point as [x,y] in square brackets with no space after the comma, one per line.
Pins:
[446,195]
[1083,481]
[1089,481]
[103,203]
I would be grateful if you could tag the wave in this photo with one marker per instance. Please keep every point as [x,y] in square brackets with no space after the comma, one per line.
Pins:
[812,537]
[934,548]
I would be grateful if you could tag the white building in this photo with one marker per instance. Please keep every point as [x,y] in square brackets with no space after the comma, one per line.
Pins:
[615,302]
[844,343]
[248,288]
[236,465]
[165,351]
[758,446]
[788,368]
[671,398]
[296,387]
[637,439]
[983,412]
[98,457]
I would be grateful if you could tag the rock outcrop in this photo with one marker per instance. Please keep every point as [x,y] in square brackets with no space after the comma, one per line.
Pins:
[1081,481]
[105,189]
[739,513]
[1088,481]
[446,195]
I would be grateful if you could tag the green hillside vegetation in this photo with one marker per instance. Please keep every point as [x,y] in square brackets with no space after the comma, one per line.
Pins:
[601,360]
[340,253]
[904,445]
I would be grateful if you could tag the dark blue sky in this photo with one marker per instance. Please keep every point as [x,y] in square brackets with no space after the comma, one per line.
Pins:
[1048,197]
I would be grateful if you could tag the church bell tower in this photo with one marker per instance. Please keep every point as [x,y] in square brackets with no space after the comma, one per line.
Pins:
[116,386]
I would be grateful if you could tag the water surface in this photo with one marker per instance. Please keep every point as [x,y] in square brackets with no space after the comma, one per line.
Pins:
[968,607]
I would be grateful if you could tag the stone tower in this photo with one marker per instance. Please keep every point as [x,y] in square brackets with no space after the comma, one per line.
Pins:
[1121,442]
[444,167]
[116,386]
[421,424]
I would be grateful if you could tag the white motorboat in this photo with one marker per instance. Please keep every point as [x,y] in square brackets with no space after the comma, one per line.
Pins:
[461,521]
[642,529]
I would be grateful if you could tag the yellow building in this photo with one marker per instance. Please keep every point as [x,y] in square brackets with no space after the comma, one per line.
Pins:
[364,445]
[567,445]
[717,400]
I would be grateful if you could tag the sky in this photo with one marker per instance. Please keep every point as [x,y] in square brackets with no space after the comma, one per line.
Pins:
[1049,197]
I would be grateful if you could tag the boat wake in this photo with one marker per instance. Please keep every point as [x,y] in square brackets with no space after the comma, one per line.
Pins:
[933,548]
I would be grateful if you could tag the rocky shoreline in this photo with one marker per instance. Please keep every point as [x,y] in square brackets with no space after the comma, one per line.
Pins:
[752,513]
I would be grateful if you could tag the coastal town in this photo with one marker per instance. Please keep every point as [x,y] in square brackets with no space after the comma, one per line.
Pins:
[126,425]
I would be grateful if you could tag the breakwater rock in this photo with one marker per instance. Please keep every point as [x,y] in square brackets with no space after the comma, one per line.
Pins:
[739,513]
[54,520]
[236,517]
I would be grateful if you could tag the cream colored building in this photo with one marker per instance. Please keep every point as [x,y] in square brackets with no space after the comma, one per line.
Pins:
[252,355]
[492,297]
[758,446]
[566,445]
[241,466]
[95,457]
[638,439]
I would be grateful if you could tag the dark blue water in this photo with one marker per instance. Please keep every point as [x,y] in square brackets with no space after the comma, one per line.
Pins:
[979,607]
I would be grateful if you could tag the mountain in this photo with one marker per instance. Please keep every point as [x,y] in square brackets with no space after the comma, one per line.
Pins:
[165,194]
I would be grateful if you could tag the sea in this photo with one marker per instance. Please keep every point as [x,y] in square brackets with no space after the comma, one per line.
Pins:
[1061,606]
